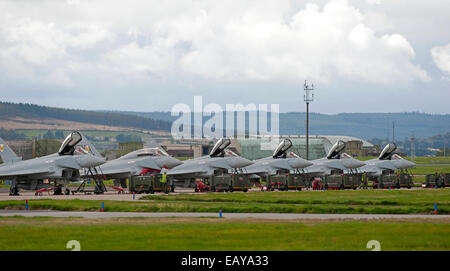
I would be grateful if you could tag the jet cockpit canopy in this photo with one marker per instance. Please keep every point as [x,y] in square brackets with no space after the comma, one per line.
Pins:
[68,145]
[387,152]
[219,147]
[336,150]
[280,151]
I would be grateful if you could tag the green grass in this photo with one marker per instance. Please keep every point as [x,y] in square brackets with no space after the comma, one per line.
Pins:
[206,234]
[429,169]
[349,198]
[339,202]
[418,160]
[431,160]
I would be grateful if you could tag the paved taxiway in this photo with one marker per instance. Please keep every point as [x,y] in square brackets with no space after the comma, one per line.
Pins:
[226,215]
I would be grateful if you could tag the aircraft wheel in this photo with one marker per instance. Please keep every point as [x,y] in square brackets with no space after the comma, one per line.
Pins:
[13,191]
[67,191]
[231,189]
[245,190]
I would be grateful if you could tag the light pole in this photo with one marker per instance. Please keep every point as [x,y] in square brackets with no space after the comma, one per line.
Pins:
[308,97]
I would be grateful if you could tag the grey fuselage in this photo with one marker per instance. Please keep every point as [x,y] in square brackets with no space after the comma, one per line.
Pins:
[135,162]
[205,167]
[271,166]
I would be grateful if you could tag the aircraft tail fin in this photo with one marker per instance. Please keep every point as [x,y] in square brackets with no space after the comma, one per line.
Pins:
[88,146]
[7,154]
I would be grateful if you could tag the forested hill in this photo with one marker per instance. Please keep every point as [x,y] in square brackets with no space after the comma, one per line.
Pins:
[12,110]
[362,125]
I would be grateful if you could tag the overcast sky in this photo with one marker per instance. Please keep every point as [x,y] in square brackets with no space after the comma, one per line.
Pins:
[362,56]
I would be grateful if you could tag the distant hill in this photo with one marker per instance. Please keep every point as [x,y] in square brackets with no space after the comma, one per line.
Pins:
[362,125]
[18,111]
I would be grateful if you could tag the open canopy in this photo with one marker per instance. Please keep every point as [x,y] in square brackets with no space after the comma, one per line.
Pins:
[68,145]
[219,147]
[336,150]
[387,152]
[280,151]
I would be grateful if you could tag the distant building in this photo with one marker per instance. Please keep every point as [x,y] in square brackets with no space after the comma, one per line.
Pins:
[252,148]
[319,145]
[123,148]
[130,146]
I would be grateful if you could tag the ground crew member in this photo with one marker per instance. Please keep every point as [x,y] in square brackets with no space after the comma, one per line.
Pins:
[365,182]
[164,178]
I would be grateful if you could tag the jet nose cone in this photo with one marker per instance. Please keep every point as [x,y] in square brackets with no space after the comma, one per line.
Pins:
[300,163]
[239,162]
[404,164]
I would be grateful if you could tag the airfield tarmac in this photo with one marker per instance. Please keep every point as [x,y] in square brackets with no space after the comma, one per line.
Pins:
[277,216]
[111,194]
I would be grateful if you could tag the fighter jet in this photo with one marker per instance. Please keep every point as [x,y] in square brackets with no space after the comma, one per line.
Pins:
[281,160]
[138,162]
[336,160]
[220,160]
[62,166]
[387,161]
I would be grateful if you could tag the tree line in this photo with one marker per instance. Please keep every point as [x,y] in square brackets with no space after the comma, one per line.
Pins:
[8,110]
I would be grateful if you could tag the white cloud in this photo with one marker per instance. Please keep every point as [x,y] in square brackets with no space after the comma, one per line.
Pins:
[247,43]
[45,46]
[374,2]
[441,57]
[262,41]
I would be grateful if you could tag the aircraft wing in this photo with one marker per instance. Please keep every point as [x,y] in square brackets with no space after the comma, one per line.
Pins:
[148,163]
[11,172]
[219,164]
[258,169]
[281,164]
[188,170]
[335,164]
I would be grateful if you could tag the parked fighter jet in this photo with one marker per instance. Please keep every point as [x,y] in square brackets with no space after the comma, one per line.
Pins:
[279,161]
[220,160]
[138,162]
[386,161]
[336,160]
[62,166]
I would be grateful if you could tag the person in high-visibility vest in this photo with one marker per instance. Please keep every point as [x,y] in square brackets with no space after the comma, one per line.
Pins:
[164,178]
